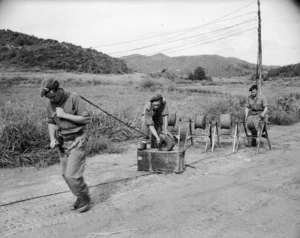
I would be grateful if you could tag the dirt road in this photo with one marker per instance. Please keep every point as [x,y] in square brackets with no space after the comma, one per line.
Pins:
[222,195]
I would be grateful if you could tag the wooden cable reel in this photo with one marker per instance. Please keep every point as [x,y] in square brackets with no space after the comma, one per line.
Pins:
[167,141]
[200,121]
[172,120]
[225,121]
[253,122]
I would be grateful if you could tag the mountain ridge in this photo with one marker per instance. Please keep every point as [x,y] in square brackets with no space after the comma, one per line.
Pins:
[214,65]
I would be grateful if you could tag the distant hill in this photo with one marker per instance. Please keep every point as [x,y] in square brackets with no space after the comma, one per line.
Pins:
[285,71]
[214,65]
[23,51]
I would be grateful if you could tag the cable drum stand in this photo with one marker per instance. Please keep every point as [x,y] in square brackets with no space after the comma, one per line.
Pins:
[255,122]
[206,127]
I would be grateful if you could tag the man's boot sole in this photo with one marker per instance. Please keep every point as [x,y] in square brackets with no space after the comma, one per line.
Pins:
[85,208]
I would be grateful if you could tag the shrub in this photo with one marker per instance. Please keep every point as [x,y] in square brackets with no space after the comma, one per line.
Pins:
[283,112]
[234,105]
[199,74]
[150,84]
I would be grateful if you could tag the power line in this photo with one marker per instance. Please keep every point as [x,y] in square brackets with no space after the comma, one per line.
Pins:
[214,40]
[204,43]
[175,47]
[171,41]
[216,20]
[218,35]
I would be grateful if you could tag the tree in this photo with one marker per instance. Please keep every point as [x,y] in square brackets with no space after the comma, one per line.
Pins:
[191,76]
[199,74]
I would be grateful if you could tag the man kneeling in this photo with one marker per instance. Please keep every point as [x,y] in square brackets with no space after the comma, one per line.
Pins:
[154,120]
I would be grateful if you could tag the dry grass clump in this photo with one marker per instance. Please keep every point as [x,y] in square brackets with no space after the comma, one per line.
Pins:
[24,139]
[105,133]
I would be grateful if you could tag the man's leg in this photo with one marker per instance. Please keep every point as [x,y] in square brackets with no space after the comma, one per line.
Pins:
[253,126]
[254,136]
[74,176]
[63,164]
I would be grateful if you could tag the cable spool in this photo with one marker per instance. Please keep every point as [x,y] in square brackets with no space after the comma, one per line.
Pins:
[172,119]
[253,122]
[200,121]
[167,141]
[225,121]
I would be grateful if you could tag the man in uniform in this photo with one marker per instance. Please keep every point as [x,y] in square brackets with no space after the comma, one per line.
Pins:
[255,111]
[154,120]
[67,118]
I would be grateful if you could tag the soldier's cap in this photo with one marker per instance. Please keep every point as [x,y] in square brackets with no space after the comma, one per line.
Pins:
[156,97]
[253,87]
[48,84]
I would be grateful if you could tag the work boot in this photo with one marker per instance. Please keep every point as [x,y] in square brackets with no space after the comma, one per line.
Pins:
[253,142]
[84,203]
[142,146]
[76,203]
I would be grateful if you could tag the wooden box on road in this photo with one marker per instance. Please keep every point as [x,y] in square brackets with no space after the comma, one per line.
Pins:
[154,160]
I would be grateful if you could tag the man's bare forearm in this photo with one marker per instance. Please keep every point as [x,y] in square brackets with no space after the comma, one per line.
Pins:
[246,112]
[77,118]
[154,132]
[52,128]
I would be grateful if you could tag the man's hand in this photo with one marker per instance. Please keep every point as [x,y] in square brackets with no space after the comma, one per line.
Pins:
[60,112]
[262,115]
[158,141]
[53,143]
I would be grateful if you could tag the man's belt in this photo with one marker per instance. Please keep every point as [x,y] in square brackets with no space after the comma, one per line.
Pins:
[71,137]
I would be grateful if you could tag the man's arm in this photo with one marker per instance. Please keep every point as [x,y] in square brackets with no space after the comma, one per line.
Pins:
[246,112]
[74,118]
[154,132]
[51,129]
[265,105]
[264,112]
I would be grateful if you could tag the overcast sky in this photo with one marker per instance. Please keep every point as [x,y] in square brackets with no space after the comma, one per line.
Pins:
[182,27]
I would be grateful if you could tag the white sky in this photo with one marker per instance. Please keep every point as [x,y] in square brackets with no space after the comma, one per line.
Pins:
[97,23]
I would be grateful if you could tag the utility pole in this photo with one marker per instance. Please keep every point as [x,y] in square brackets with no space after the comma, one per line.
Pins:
[259,58]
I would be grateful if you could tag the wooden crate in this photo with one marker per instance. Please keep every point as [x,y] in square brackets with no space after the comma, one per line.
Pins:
[154,160]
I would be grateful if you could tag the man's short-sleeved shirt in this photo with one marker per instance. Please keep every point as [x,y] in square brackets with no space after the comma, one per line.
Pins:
[72,104]
[256,104]
[155,117]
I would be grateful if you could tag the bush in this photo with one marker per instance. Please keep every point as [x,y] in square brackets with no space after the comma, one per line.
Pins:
[284,112]
[199,74]
[150,84]
[234,105]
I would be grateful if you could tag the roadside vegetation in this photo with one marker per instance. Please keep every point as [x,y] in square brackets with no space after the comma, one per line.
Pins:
[24,139]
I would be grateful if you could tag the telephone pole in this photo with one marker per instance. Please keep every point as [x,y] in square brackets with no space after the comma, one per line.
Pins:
[259,58]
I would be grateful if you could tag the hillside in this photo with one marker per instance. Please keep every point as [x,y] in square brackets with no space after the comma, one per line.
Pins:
[285,71]
[23,51]
[214,65]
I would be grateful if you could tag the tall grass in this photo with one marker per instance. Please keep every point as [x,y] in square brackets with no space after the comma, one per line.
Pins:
[24,139]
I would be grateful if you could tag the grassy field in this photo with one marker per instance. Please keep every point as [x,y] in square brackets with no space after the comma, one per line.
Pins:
[24,137]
